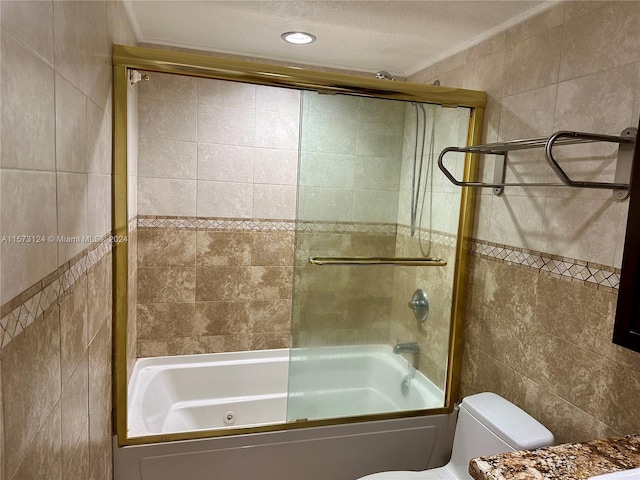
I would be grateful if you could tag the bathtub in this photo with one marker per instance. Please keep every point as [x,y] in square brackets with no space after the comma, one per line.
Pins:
[257,388]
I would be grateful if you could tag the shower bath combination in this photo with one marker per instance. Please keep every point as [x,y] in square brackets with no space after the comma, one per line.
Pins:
[256,347]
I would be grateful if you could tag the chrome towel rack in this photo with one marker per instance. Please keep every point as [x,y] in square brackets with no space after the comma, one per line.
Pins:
[398,261]
[620,185]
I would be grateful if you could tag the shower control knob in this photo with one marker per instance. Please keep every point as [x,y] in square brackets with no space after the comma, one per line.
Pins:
[419,304]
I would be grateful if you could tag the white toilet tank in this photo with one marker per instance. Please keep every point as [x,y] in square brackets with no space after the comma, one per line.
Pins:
[489,424]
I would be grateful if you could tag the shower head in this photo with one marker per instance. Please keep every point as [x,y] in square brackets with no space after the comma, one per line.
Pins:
[384,75]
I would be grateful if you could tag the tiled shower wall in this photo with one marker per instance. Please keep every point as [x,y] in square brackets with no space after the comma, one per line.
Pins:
[56,182]
[217,193]
[542,286]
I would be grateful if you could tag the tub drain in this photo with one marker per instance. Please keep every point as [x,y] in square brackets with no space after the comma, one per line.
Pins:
[229,418]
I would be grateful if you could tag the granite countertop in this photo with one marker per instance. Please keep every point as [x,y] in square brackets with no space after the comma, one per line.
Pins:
[571,461]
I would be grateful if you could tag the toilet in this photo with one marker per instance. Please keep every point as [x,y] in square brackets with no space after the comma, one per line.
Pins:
[487,424]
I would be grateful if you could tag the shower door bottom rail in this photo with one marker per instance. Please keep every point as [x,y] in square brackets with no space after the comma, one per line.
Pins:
[397,261]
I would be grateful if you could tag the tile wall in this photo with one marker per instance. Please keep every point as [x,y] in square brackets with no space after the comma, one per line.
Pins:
[210,148]
[350,153]
[341,305]
[217,190]
[539,321]
[55,176]
[205,290]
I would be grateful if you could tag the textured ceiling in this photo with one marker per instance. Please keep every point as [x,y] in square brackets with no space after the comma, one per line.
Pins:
[401,37]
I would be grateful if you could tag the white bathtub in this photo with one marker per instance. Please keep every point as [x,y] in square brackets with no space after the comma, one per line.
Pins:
[244,389]
[170,394]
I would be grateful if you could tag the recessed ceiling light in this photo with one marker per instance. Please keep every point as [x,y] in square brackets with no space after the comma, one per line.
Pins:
[298,38]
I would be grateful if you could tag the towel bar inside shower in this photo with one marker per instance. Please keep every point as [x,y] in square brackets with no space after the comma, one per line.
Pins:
[397,261]
[620,185]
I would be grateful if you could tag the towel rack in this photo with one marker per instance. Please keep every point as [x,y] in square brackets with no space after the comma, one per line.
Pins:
[620,185]
[399,261]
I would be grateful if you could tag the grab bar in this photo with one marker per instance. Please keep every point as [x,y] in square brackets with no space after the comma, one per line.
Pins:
[400,261]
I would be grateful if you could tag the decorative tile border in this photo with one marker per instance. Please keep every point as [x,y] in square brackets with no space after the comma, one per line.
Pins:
[592,274]
[22,310]
[439,238]
[263,225]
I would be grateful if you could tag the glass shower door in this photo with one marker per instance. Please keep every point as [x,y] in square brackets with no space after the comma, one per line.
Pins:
[360,163]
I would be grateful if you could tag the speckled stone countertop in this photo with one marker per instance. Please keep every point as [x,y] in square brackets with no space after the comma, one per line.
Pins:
[571,461]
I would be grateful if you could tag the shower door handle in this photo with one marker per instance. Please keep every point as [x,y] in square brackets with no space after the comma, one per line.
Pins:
[398,261]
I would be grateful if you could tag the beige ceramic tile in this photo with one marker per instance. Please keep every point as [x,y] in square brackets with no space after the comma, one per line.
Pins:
[582,229]
[169,88]
[547,20]
[71,34]
[226,94]
[167,158]
[223,284]
[98,205]
[166,284]
[98,50]
[165,320]
[266,341]
[577,8]
[523,62]
[71,127]
[274,202]
[221,318]
[270,316]
[132,322]
[570,311]
[100,404]
[567,422]
[379,139]
[327,170]
[277,130]
[160,196]
[277,167]
[97,14]
[238,128]
[224,199]
[167,120]
[375,206]
[76,466]
[98,139]
[29,208]
[225,163]
[166,247]
[99,284]
[75,411]
[223,248]
[72,204]
[337,106]
[324,204]
[73,328]
[31,386]
[32,24]
[44,457]
[275,99]
[600,40]
[28,118]
[325,134]
[272,248]
[377,173]
[270,282]
[519,221]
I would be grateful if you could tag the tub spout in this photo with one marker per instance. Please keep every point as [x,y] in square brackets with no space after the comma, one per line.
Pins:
[411,347]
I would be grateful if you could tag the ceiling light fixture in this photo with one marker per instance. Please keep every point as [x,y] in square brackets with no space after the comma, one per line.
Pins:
[298,38]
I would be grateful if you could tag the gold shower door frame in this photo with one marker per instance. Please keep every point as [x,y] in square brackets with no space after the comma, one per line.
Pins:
[199,65]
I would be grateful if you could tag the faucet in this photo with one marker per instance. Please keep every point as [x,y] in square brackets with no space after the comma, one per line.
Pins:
[411,347]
